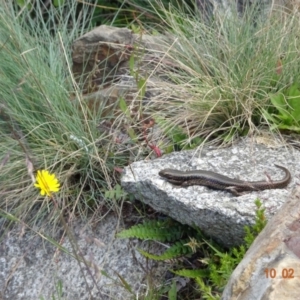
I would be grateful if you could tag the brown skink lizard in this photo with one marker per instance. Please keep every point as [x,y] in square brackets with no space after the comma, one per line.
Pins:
[221,182]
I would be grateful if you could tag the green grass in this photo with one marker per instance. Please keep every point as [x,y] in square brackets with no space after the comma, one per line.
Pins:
[43,129]
[226,71]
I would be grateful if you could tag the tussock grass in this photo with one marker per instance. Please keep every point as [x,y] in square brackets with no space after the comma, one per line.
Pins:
[226,69]
[40,126]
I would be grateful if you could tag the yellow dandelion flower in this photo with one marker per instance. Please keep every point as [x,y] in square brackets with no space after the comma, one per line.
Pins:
[46,182]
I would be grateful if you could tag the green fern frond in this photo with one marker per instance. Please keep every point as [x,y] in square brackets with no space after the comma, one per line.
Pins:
[203,273]
[172,293]
[260,222]
[152,256]
[239,253]
[163,231]
[206,290]
[177,250]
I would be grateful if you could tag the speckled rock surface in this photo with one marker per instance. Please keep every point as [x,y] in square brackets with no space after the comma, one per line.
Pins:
[218,213]
[32,268]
